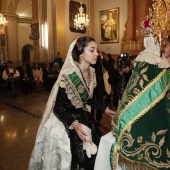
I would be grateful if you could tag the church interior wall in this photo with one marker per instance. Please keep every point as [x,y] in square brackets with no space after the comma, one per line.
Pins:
[55,13]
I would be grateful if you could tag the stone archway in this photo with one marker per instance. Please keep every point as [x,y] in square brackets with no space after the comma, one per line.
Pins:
[26,57]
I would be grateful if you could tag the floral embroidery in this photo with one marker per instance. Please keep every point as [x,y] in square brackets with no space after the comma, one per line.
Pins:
[144,151]
[140,139]
[80,89]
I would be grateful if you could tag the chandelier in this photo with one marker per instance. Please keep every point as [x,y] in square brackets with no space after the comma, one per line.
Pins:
[81,20]
[3,20]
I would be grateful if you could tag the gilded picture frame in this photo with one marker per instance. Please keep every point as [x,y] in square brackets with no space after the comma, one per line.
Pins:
[109,25]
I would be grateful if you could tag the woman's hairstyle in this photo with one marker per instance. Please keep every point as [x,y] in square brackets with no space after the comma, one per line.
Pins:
[35,66]
[24,65]
[109,56]
[78,49]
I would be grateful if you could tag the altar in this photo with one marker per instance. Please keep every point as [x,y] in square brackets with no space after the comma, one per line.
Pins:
[103,155]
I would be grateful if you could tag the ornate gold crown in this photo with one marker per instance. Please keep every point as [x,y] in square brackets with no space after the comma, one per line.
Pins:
[146,27]
[157,22]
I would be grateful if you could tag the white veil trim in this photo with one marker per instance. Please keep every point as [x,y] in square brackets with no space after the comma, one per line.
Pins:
[69,66]
[54,91]
[151,54]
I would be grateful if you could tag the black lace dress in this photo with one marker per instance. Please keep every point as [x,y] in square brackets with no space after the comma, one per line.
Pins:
[67,113]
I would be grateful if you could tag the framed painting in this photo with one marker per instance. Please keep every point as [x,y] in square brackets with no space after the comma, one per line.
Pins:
[109,25]
[74,10]
[34,31]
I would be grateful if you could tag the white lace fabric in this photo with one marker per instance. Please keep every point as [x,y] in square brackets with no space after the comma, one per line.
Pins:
[151,54]
[89,146]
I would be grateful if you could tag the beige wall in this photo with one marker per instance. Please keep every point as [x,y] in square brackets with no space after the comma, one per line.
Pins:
[100,5]
[18,33]
[18,14]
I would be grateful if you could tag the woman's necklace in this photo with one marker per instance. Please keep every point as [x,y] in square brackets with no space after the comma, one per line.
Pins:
[86,76]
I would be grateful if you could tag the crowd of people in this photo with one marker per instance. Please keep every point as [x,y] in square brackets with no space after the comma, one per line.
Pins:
[27,78]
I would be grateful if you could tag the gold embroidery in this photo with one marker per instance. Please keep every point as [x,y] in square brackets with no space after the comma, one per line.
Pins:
[147,108]
[168,153]
[126,163]
[145,151]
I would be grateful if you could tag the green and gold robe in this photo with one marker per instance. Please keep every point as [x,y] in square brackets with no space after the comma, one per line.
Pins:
[142,121]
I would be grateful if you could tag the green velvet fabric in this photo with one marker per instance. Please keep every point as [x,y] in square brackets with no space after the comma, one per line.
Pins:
[142,120]
[79,86]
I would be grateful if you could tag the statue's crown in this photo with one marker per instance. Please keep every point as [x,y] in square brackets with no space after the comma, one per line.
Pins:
[146,27]
[157,23]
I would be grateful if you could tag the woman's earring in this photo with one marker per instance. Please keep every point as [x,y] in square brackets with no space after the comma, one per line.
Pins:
[80,59]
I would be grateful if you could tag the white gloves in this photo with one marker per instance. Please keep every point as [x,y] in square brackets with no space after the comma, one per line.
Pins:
[89,146]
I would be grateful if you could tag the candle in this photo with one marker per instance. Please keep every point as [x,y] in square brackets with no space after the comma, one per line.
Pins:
[138,45]
[134,46]
[130,46]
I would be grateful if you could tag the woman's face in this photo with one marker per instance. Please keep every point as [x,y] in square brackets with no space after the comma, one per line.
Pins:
[166,50]
[24,67]
[90,54]
[36,65]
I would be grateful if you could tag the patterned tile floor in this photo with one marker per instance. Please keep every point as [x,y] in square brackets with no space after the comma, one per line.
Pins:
[19,121]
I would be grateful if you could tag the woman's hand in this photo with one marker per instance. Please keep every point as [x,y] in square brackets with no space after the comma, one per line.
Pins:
[80,132]
[109,112]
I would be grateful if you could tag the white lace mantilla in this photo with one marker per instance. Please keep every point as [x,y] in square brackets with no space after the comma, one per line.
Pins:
[151,54]
[72,93]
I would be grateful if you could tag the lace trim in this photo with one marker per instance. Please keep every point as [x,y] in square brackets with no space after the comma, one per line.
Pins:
[152,58]
[72,94]
[151,54]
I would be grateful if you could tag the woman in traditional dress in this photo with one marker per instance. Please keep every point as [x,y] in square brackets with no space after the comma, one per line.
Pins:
[63,142]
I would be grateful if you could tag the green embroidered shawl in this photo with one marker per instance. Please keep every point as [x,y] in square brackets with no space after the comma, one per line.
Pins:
[142,120]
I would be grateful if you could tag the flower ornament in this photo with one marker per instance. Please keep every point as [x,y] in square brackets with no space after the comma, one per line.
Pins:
[146,27]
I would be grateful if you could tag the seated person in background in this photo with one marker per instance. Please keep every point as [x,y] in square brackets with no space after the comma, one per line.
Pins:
[11,75]
[38,76]
[26,79]
[120,77]
[47,77]
[55,70]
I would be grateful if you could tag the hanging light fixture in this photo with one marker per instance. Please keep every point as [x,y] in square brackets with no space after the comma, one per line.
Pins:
[81,20]
[3,20]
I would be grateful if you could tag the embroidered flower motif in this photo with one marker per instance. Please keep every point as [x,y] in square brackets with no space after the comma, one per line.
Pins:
[168,153]
[136,90]
[168,96]
[81,89]
[140,139]
[140,156]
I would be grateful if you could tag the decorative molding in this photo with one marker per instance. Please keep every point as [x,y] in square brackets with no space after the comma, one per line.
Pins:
[19,19]
[22,19]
